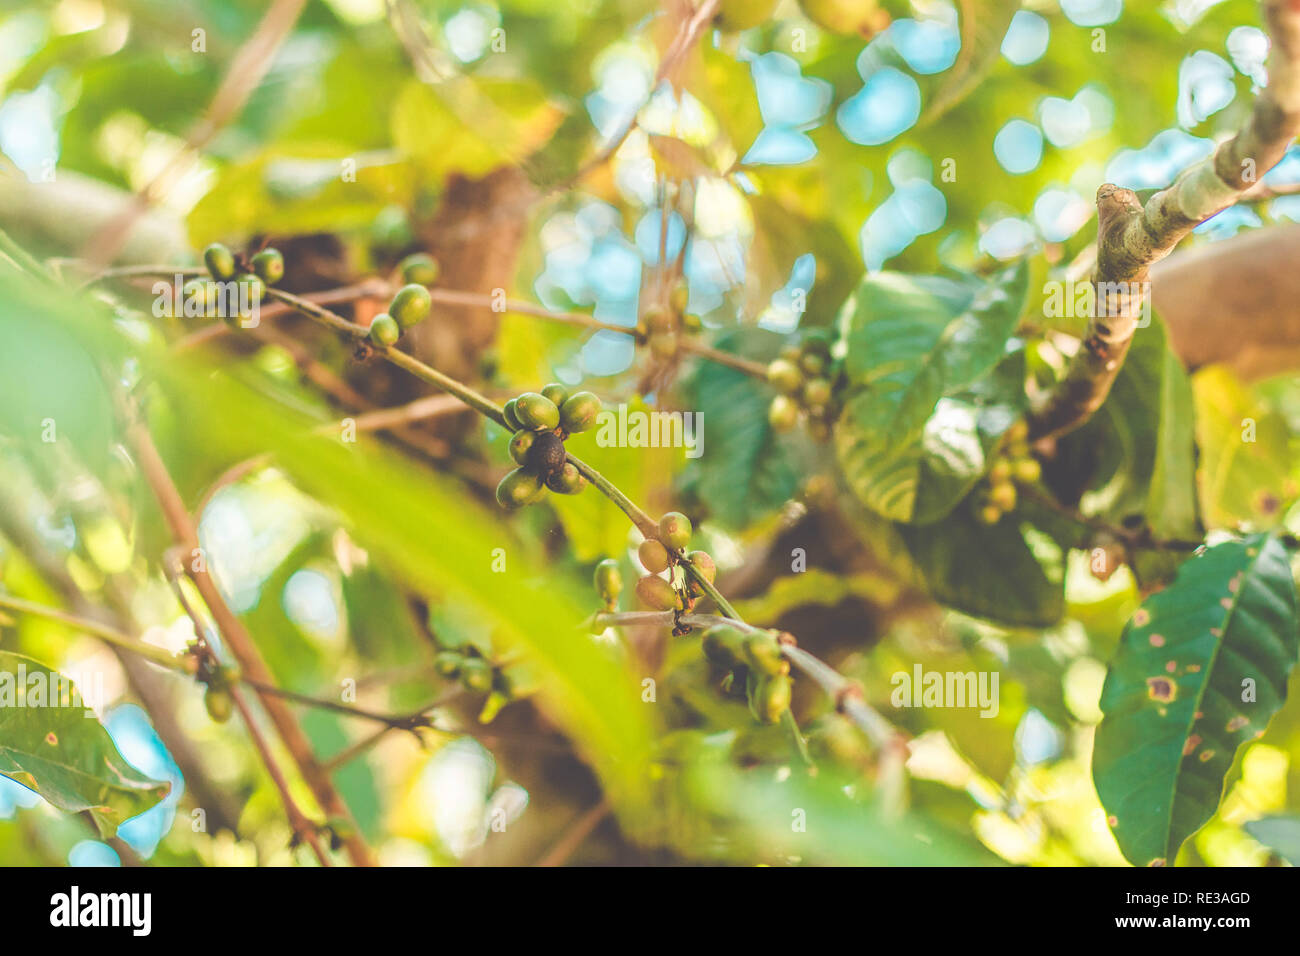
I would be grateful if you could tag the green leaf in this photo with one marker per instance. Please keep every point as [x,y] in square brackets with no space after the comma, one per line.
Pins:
[983,25]
[916,431]
[1281,834]
[61,751]
[1201,668]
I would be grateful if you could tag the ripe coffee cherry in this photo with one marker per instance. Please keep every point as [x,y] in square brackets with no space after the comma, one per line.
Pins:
[579,412]
[657,593]
[269,266]
[785,377]
[724,645]
[1000,472]
[783,413]
[1027,470]
[557,393]
[989,514]
[410,305]
[508,413]
[536,412]
[420,269]
[1003,496]
[384,330]
[219,703]
[521,444]
[817,392]
[675,530]
[476,674]
[546,454]
[567,480]
[609,581]
[764,654]
[702,561]
[519,488]
[447,663]
[220,261]
[770,697]
[653,555]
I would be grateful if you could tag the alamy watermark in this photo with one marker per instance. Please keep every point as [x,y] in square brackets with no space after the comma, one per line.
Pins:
[923,688]
[229,299]
[624,428]
[1070,300]
[42,688]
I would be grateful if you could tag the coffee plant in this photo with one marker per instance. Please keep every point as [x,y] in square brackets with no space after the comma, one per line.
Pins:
[725,431]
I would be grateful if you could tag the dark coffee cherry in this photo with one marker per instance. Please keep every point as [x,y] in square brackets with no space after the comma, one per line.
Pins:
[420,269]
[536,412]
[579,412]
[220,262]
[411,305]
[384,330]
[567,481]
[269,266]
[545,454]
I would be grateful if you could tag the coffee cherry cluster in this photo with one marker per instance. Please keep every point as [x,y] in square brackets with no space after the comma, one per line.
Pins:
[756,656]
[265,268]
[1013,465]
[409,307]
[479,675]
[541,421]
[662,325]
[803,379]
[667,552]
[218,679]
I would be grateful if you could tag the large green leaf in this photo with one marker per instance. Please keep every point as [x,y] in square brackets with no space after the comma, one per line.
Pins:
[918,427]
[1201,668]
[58,748]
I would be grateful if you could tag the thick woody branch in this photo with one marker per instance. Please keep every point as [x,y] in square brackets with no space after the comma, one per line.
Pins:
[1131,238]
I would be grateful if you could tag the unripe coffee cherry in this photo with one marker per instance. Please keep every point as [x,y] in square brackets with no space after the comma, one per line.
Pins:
[519,488]
[557,393]
[219,703]
[653,555]
[608,579]
[254,287]
[520,444]
[579,412]
[657,593]
[269,266]
[410,305]
[812,363]
[567,480]
[783,413]
[536,412]
[817,392]
[420,269]
[476,674]
[764,654]
[508,413]
[220,261]
[1027,470]
[702,562]
[785,377]
[384,330]
[1000,472]
[1003,496]
[447,663]
[770,697]
[675,530]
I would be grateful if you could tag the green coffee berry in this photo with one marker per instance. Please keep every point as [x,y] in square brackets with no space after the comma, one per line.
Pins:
[783,413]
[1000,472]
[608,579]
[219,703]
[410,305]
[447,663]
[567,480]
[557,393]
[724,645]
[764,654]
[817,392]
[579,412]
[269,266]
[657,593]
[1027,470]
[255,288]
[420,269]
[220,261]
[812,363]
[476,674]
[770,697]
[384,330]
[653,555]
[536,412]
[702,562]
[1003,496]
[675,530]
[785,377]
[520,444]
[519,488]
[508,413]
